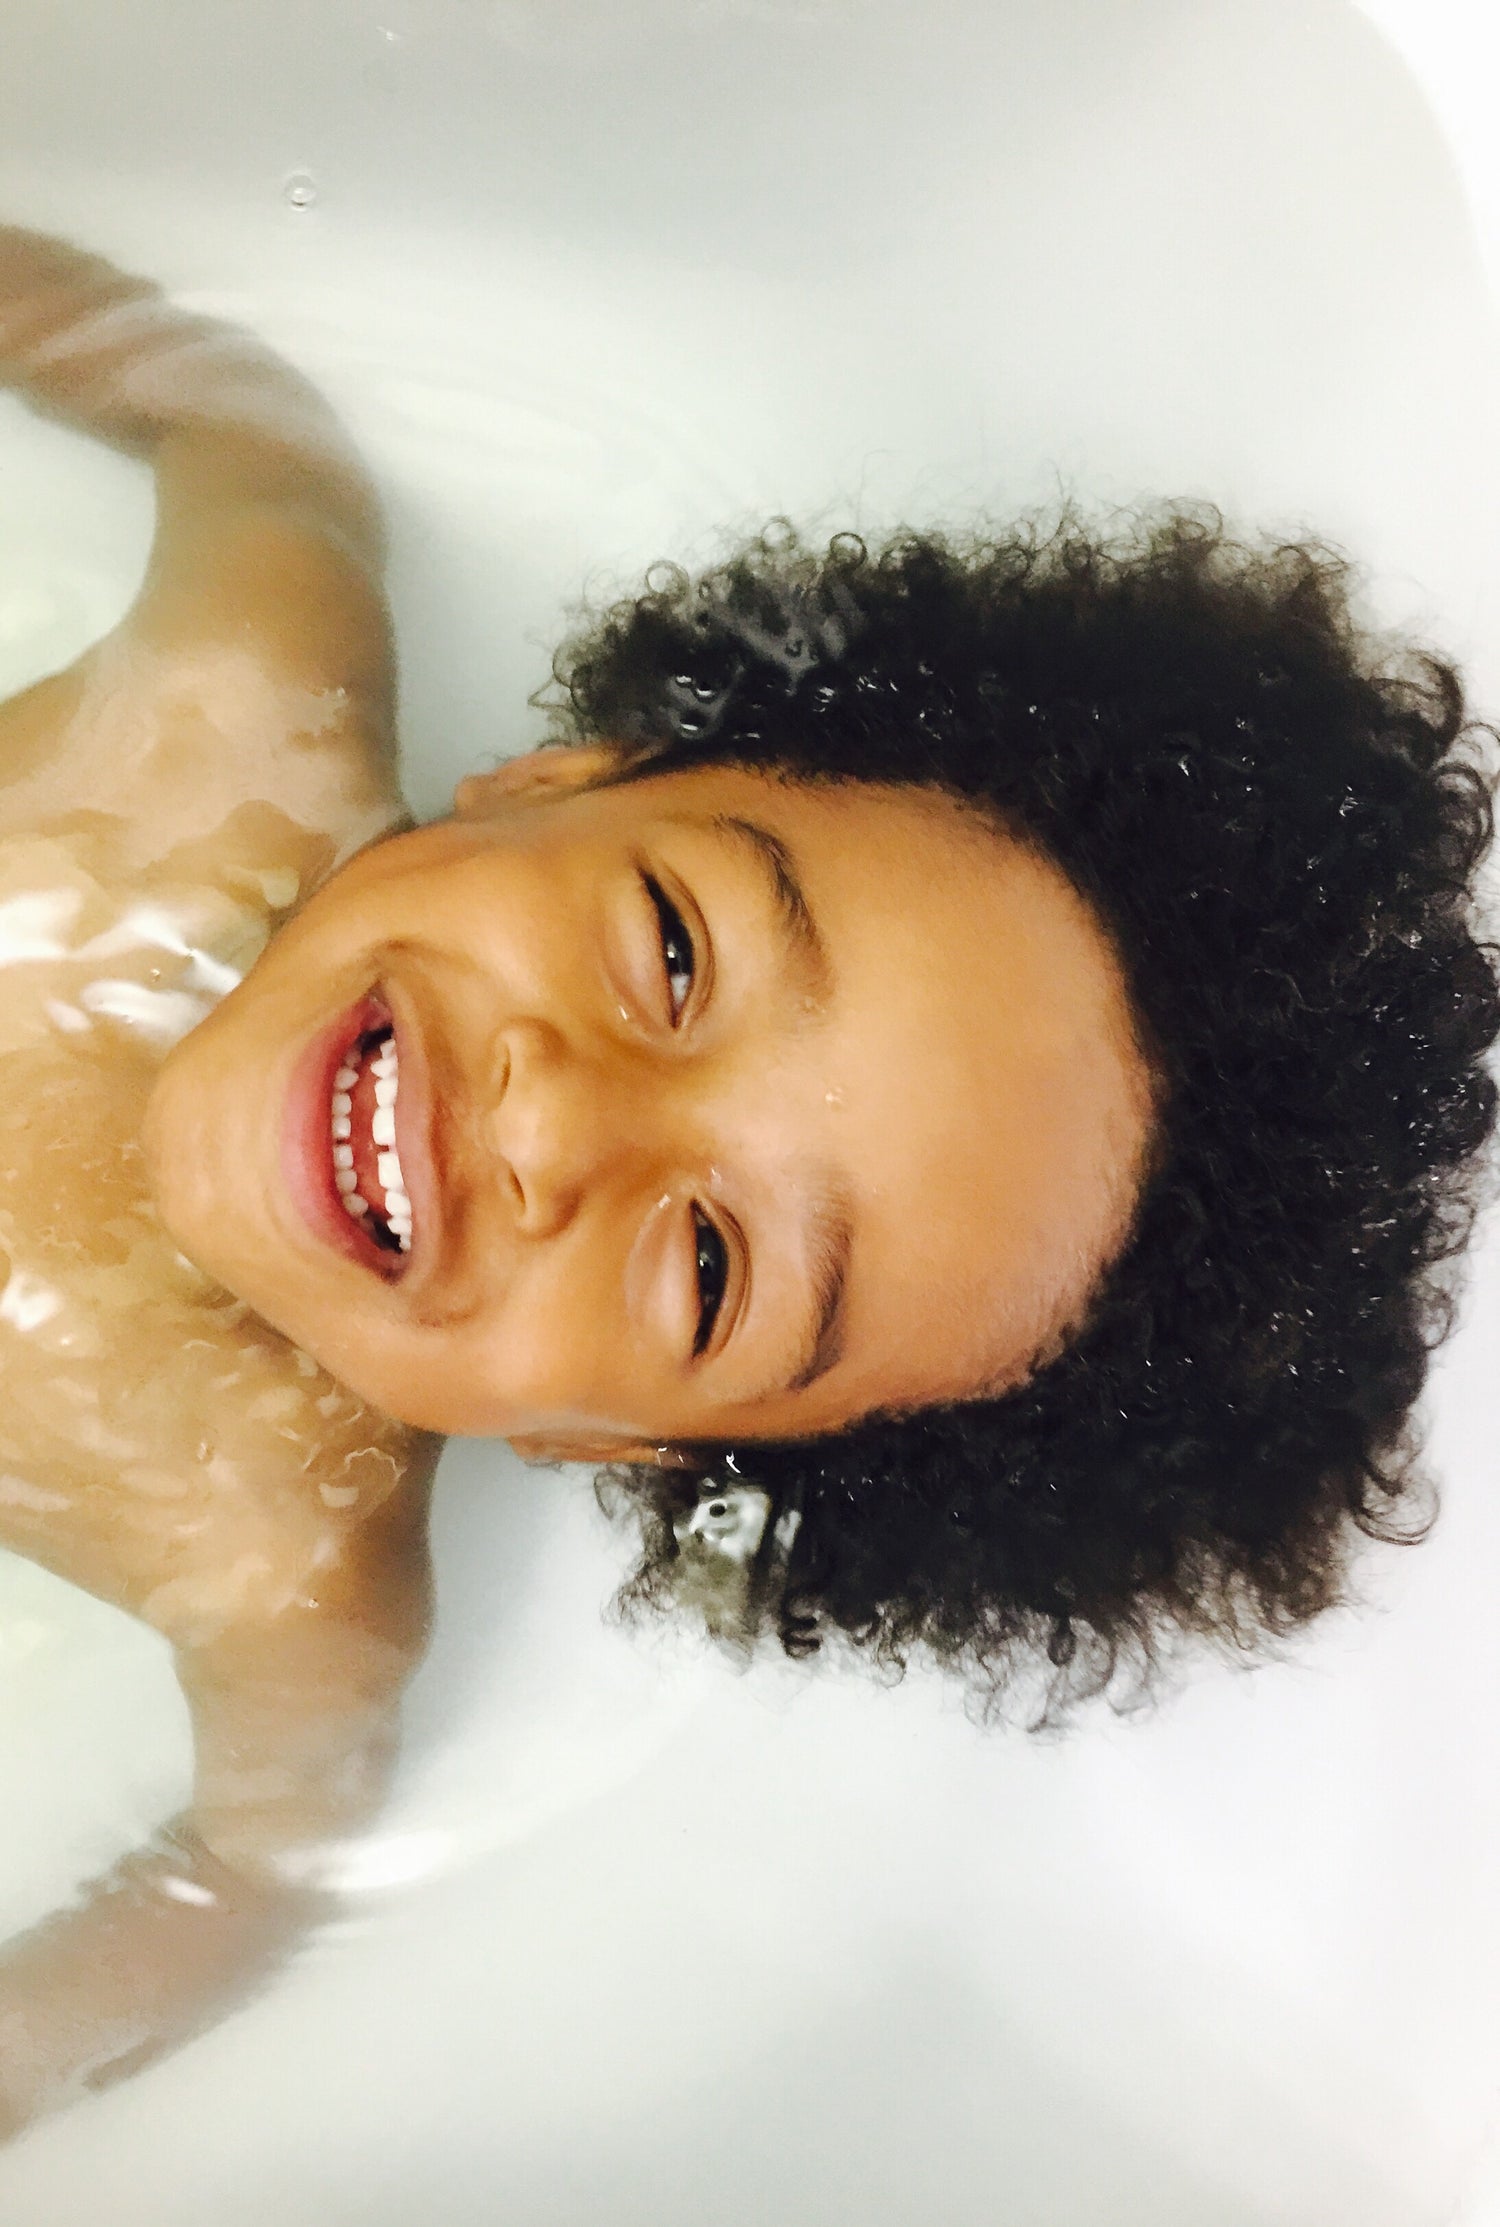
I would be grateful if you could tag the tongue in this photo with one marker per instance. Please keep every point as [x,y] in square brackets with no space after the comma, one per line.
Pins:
[361,1114]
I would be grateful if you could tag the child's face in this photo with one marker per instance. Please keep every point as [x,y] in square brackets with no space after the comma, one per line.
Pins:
[727,1108]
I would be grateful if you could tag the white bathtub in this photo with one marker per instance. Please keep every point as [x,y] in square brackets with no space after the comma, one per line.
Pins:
[645,1944]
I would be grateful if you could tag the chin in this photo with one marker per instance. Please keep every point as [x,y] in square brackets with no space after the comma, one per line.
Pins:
[186,1205]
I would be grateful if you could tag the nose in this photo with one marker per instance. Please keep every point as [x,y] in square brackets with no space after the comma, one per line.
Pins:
[562,1125]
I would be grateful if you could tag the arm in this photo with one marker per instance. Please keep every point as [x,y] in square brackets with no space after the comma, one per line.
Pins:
[108,353]
[268,535]
[294,1724]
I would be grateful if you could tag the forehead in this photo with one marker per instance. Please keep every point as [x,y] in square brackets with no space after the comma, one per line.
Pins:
[974,1086]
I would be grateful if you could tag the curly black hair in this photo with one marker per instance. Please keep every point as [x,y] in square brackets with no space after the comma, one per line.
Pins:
[1279,822]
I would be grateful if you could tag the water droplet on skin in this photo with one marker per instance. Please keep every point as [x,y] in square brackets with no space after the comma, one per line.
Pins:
[299,190]
[833,1097]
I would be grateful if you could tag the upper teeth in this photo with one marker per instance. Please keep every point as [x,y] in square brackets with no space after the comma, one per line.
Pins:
[386,1070]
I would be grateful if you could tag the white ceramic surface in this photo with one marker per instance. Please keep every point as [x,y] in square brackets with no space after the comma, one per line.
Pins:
[642,1941]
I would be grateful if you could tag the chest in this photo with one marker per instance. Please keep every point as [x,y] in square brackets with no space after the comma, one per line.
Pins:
[158,1444]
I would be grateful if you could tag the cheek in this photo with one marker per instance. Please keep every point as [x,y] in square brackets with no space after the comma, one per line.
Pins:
[543,1356]
[415,875]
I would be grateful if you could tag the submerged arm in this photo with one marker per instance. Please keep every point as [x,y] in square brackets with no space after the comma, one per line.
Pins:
[107,352]
[295,1723]
[269,538]
[152,1953]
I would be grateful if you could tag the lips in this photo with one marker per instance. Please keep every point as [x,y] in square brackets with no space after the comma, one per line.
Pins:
[308,1147]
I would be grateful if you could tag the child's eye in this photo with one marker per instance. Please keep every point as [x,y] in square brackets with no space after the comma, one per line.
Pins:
[713,1274]
[676,947]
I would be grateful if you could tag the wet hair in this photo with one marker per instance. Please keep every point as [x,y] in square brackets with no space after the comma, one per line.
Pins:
[1278,820]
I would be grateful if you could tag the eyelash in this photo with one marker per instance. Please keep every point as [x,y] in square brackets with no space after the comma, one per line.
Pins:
[711,1255]
[675,933]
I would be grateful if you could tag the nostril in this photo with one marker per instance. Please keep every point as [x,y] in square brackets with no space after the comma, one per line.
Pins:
[503,1162]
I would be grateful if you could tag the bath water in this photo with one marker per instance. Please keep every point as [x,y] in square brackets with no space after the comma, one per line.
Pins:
[641,1939]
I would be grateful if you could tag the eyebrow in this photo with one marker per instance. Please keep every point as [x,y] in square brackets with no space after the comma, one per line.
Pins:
[803,935]
[830,1242]
[829,1231]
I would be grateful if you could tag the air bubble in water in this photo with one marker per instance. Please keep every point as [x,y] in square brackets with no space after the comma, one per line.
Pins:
[300,190]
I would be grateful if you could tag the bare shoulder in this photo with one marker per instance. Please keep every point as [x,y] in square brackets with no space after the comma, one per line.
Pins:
[172,739]
[196,1471]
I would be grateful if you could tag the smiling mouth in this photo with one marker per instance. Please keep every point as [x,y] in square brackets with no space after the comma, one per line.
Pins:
[367,1171]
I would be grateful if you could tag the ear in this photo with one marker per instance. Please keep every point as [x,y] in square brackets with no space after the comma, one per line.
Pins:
[551,771]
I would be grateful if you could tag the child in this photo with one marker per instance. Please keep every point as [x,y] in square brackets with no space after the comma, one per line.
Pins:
[954,1088]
